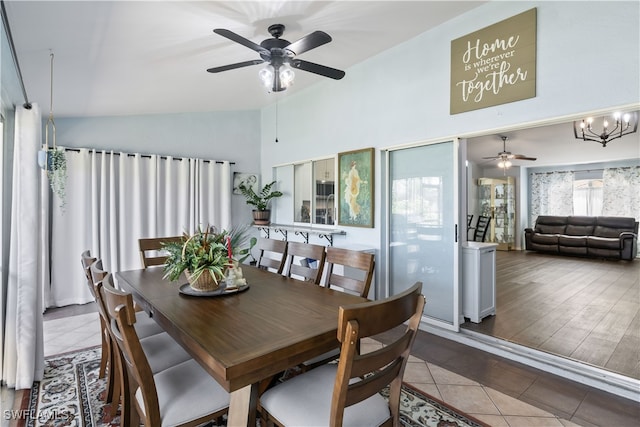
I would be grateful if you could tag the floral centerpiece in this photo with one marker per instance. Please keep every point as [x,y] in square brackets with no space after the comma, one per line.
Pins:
[202,256]
[205,256]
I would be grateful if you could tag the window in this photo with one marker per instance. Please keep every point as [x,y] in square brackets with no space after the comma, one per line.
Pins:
[314,192]
[587,197]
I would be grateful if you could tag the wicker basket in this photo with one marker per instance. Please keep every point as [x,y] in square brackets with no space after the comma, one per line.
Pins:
[204,283]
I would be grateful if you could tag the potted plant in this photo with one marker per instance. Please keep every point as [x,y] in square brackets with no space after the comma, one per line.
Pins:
[242,243]
[203,256]
[261,214]
[54,162]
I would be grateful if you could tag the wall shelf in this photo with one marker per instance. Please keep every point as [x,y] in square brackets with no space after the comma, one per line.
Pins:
[300,230]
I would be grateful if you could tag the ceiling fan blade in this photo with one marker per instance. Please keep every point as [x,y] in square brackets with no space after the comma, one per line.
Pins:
[234,66]
[308,42]
[521,157]
[318,69]
[239,39]
[491,158]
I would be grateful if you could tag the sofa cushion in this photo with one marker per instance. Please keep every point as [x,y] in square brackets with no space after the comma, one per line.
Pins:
[579,230]
[551,220]
[544,239]
[603,242]
[582,220]
[550,229]
[573,241]
[601,231]
[573,250]
[619,222]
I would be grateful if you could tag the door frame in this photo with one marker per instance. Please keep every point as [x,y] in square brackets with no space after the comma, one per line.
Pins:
[460,226]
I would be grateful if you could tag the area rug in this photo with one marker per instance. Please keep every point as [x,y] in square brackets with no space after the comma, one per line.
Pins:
[71,394]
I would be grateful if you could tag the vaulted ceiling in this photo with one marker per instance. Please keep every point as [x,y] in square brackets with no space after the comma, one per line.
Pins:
[141,57]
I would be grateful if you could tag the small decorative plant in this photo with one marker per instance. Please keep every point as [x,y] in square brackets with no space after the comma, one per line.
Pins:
[260,200]
[54,162]
[261,214]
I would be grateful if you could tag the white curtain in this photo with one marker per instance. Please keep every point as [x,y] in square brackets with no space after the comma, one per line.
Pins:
[551,194]
[621,192]
[113,199]
[22,352]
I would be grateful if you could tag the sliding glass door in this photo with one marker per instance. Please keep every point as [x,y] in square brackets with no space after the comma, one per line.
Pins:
[422,216]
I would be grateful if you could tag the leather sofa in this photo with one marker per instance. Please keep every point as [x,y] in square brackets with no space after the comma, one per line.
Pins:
[588,236]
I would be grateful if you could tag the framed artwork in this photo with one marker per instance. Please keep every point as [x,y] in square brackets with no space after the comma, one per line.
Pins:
[248,179]
[355,188]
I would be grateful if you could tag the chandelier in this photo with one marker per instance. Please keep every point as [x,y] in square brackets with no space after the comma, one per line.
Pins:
[624,125]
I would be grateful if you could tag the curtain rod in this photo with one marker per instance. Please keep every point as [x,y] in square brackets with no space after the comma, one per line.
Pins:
[146,156]
[585,170]
[5,23]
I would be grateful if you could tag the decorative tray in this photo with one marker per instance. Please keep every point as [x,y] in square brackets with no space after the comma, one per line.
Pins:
[186,289]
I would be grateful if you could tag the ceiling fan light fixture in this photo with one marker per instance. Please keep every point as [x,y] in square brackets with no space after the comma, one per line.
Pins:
[504,164]
[286,75]
[266,76]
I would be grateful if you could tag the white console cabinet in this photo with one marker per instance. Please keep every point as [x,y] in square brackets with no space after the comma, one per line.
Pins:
[478,280]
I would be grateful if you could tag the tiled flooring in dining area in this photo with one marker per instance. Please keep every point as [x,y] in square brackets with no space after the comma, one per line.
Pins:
[77,328]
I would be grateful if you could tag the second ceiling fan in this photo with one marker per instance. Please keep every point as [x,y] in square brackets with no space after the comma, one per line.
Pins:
[505,156]
[280,54]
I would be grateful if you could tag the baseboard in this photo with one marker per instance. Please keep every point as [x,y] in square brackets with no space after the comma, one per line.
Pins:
[583,373]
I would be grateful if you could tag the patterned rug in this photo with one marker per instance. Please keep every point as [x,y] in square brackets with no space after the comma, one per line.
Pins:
[71,394]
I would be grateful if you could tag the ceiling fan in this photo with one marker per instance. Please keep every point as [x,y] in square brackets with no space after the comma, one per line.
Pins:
[280,55]
[505,156]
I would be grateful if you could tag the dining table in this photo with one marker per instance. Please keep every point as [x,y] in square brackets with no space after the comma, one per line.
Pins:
[242,338]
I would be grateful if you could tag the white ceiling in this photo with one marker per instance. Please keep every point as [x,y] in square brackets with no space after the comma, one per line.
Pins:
[147,57]
[142,57]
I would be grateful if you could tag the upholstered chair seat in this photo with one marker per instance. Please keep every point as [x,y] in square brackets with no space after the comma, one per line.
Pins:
[307,402]
[186,392]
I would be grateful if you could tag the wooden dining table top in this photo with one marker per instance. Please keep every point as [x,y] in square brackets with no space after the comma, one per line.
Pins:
[243,338]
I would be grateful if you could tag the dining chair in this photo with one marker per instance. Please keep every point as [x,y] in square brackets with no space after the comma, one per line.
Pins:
[161,349]
[347,393]
[351,263]
[305,254]
[151,249]
[145,325]
[86,260]
[181,395]
[482,226]
[469,220]
[272,254]
[354,272]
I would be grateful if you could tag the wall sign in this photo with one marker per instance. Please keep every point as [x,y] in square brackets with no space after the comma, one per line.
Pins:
[494,65]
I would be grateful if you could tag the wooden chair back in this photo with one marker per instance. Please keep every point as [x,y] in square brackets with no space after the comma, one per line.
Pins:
[86,260]
[151,250]
[364,262]
[381,367]
[469,220]
[136,372]
[482,226]
[109,351]
[272,254]
[305,252]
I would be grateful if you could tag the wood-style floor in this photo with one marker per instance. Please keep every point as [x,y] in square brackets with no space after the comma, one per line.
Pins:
[584,309]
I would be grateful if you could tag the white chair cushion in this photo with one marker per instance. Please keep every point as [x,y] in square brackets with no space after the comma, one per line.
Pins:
[163,352]
[305,400]
[145,325]
[186,392]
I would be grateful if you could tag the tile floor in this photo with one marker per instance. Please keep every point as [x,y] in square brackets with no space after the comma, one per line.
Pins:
[496,406]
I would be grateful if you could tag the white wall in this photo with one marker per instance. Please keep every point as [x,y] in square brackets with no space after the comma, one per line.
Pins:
[587,59]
